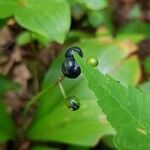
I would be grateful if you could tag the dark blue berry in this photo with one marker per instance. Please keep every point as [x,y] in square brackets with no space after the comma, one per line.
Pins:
[69,52]
[70,68]
[73,103]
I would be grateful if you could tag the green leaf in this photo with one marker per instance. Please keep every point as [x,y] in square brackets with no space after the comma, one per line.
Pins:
[27,37]
[135,29]
[48,18]
[96,4]
[135,12]
[78,148]
[135,37]
[43,148]
[24,38]
[87,125]
[108,140]
[7,8]
[127,109]
[147,64]
[2,23]
[95,18]
[145,87]
[123,73]
[75,35]
[83,127]
[7,85]
[7,129]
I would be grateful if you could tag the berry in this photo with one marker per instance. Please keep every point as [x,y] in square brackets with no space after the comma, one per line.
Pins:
[73,103]
[70,68]
[69,52]
[92,61]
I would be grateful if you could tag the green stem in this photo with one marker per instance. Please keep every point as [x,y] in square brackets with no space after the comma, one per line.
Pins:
[62,90]
[35,98]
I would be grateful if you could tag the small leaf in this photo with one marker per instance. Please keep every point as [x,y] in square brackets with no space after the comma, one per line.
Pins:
[145,87]
[127,109]
[78,148]
[43,148]
[96,4]
[147,64]
[7,129]
[26,37]
[138,28]
[135,12]
[7,85]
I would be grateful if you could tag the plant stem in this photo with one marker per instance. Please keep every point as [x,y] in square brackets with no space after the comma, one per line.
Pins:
[35,98]
[62,90]
[29,104]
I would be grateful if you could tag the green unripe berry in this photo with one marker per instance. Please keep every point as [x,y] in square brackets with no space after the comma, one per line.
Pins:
[92,61]
[73,103]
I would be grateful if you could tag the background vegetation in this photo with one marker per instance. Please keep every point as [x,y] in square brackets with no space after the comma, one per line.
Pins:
[34,34]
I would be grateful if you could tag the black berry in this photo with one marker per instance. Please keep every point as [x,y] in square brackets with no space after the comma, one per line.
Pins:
[70,68]
[73,103]
[69,52]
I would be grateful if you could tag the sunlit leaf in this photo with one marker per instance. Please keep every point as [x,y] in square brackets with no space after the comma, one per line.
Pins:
[127,109]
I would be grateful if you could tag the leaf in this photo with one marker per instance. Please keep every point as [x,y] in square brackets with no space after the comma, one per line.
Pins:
[7,85]
[135,12]
[145,87]
[123,73]
[2,23]
[146,64]
[135,30]
[49,18]
[7,8]
[87,125]
[95,18]
[127,109]
[7,129]
[78,148]
[42,148]
[135,37]
[26,37]
[96,4]
[60,124]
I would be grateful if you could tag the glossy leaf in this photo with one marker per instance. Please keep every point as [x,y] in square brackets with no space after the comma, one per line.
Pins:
[127,109]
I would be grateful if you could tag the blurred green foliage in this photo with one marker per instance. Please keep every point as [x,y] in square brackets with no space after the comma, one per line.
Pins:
[89,25]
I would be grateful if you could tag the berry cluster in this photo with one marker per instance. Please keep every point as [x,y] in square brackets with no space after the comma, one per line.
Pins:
[70,67]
